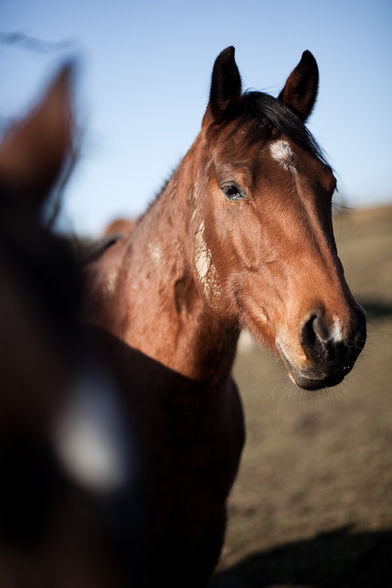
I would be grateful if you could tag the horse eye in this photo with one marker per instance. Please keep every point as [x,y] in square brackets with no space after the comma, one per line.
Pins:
[233,192]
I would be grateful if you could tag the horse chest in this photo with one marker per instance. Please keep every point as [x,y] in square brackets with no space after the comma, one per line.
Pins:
[187,440]
[190,464]
[192,460]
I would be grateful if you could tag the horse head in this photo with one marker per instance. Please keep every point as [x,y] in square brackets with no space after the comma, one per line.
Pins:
[264,254]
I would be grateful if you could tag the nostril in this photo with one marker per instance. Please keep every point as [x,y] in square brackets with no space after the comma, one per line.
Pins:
[331,350]
[321,343]
[321,329]
[308,334]
[314,335]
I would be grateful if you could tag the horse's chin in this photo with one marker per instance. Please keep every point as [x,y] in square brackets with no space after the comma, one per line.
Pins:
[308,382]
[313,377]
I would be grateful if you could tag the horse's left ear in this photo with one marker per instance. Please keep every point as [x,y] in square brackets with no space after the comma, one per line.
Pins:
[225,90]
[34,150]
[300,90]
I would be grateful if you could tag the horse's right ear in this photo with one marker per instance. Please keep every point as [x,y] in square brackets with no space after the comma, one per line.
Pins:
[225,90]
[34,150]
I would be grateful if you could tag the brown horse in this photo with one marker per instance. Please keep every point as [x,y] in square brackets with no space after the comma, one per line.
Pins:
[241,236]
[55,528]
[39,288]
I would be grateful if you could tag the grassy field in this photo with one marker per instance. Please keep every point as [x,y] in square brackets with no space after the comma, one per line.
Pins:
[312,505]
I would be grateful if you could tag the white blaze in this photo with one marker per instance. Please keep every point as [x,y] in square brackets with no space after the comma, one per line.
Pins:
[283,154]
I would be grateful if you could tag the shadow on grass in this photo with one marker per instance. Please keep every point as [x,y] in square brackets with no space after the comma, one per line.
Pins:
[338,559]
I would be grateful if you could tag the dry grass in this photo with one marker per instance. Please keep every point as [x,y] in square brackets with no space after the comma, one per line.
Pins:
[312,505]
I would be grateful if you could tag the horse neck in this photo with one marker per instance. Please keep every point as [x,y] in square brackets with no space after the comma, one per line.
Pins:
[168,317]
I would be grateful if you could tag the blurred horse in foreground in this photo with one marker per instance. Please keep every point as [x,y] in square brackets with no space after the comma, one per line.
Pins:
[63,452]
[241,236]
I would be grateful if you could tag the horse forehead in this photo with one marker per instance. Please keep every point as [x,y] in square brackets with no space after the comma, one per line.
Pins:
[254,161]
[282,152]
[244,155]
[293,158]
[287,155]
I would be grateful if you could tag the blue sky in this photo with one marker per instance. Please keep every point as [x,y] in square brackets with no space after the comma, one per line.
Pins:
[143,82]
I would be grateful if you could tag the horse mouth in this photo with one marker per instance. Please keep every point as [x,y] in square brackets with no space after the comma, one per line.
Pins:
[314,377]
[308,382]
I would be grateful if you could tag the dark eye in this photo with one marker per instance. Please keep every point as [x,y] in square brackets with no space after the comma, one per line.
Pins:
[233,192]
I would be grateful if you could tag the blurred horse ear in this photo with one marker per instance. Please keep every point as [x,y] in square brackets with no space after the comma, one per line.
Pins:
[34,150]
[300,90]
[225,90]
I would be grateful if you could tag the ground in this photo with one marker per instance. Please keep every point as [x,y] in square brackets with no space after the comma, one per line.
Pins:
[312,505]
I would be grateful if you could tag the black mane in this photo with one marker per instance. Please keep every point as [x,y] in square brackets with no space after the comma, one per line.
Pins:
[269,113]
[266,114]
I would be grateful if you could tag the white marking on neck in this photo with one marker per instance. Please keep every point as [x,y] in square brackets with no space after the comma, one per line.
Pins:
[203,254]
[283,154]
[204,265]
[155,252]
[111,280]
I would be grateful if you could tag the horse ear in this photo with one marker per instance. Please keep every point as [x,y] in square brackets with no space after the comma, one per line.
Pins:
[225,90]
[33,150]
[300,90]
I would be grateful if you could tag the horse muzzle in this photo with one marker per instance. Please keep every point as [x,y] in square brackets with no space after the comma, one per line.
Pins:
[330,355]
